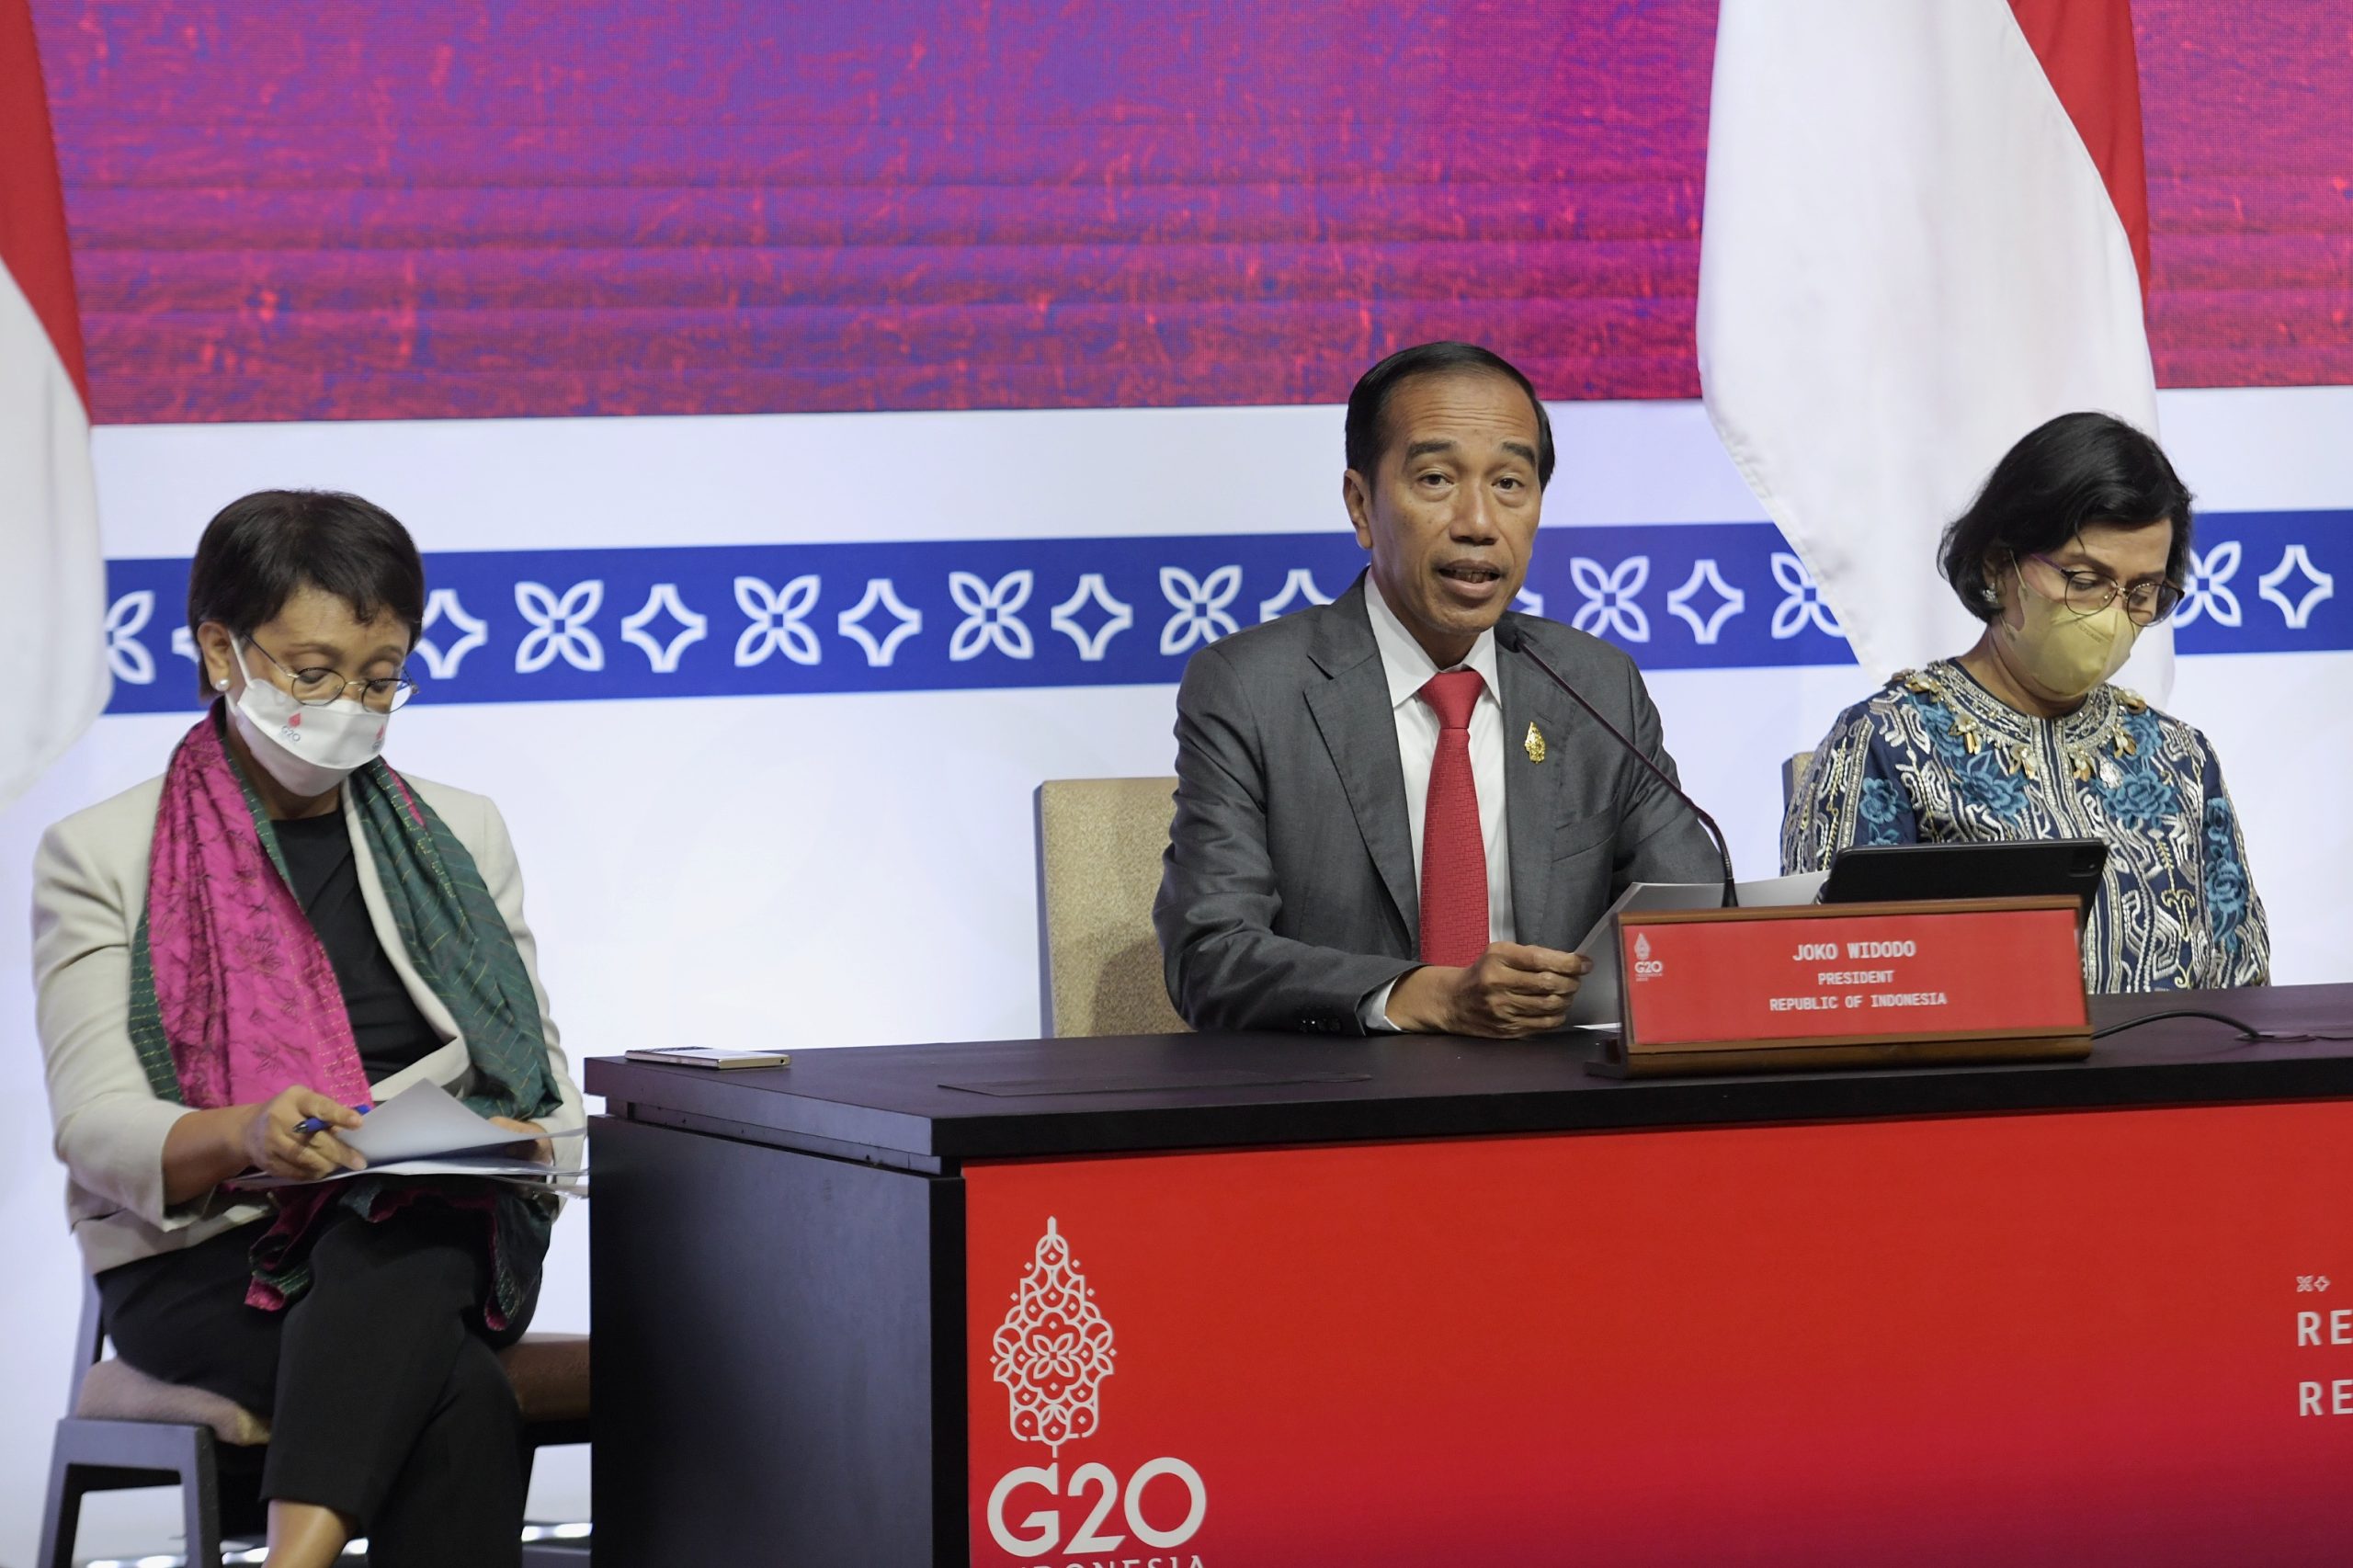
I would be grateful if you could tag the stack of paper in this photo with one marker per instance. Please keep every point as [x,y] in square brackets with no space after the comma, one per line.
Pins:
[426,1131]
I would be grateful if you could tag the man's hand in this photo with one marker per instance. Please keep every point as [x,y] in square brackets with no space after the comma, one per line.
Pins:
[271,1143]
[1511,992]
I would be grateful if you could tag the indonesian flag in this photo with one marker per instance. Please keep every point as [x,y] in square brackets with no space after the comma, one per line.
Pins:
[1927,232]
[52,579]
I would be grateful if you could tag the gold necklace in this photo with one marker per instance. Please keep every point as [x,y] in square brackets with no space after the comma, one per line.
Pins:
[2019,756]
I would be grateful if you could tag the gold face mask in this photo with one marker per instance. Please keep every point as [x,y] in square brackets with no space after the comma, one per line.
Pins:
[2069,655]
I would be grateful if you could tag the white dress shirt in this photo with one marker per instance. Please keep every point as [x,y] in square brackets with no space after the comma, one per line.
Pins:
[1409,668]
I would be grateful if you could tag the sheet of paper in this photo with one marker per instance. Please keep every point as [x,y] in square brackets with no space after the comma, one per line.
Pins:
[1597,998]
[424,1119]
[1775,892]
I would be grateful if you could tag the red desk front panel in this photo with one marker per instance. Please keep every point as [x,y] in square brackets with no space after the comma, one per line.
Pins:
[2062,1338]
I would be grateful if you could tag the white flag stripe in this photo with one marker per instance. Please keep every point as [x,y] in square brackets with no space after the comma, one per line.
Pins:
[52,579]
[1909,260]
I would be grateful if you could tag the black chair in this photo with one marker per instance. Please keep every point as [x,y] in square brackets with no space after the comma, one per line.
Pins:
[127,1429]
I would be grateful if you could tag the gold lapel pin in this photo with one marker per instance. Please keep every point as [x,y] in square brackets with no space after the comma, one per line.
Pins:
[1534,745]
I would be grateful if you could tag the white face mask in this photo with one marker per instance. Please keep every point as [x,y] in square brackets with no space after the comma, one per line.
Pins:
[309,750]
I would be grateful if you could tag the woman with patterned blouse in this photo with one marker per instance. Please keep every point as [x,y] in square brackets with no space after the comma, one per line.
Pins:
[2077,541]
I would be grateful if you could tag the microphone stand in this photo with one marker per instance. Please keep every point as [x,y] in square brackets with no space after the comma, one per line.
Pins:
[1510,637]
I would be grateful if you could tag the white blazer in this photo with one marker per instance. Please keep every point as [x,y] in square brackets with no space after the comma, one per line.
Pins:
[89,889]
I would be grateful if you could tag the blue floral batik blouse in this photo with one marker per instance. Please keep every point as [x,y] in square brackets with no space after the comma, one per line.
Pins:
[1936,758]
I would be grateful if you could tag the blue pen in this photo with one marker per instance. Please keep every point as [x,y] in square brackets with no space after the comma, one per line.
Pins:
[310,1125]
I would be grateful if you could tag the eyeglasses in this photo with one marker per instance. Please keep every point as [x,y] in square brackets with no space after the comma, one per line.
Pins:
[317,687]
[2089,593]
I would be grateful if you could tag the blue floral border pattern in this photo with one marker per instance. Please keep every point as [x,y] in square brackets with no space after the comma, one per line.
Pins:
[553,625]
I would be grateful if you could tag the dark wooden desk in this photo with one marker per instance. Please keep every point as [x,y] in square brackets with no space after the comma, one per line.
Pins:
[786,1351]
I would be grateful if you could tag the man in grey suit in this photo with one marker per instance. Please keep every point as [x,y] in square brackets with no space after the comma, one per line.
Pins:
[1387,817]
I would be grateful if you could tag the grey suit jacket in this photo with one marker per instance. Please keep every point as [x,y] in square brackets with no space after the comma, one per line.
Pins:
[1288,892]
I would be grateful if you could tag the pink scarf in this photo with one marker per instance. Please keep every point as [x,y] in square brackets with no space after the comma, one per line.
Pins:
[248,1001]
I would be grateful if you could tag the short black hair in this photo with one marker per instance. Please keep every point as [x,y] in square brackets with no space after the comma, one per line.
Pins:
[1368,402]
[261,550]
[2074,470]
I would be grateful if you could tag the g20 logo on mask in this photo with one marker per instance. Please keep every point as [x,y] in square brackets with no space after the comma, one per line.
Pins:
[1052,1353]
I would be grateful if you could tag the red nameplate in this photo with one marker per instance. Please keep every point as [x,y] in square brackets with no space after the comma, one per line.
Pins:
[1820,985]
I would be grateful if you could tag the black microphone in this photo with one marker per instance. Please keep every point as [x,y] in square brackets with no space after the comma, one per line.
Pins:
[1510,637]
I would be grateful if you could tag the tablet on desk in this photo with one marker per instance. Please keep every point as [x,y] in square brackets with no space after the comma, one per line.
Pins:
[2033,869]
[721,1056]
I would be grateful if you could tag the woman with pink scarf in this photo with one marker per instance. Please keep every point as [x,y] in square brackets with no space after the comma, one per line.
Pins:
[235,960]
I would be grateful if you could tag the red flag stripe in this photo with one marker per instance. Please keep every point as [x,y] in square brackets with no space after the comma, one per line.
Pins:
[32,204]
[2085,48]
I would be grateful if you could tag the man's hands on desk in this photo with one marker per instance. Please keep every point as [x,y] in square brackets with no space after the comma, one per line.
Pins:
[1511,992]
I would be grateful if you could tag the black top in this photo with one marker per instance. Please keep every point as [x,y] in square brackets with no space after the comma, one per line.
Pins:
[390,1031]
[928,1107]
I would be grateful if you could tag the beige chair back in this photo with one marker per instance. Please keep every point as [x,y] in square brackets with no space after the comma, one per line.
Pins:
[1099,842]
[1793,774]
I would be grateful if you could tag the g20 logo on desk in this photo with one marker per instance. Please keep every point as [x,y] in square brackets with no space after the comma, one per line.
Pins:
[1052,1353]
[1645,966]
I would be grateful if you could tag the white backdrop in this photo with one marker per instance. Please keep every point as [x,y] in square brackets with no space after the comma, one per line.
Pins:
[850,869]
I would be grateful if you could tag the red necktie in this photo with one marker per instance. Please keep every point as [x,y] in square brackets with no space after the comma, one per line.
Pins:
[1454,856]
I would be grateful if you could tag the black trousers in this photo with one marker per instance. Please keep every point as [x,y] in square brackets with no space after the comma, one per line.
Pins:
[385,1398]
